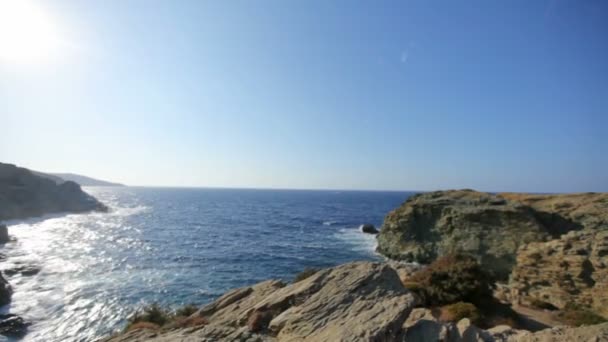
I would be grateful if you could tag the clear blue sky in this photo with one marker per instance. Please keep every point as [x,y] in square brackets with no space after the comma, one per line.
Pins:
[491,95]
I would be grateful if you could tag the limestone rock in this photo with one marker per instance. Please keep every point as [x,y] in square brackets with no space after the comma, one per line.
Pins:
[573,268]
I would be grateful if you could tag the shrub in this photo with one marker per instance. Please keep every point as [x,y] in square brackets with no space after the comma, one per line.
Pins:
[186,310]
[450,279]
[151,314]
[305,274]
[457,311]
[155,317]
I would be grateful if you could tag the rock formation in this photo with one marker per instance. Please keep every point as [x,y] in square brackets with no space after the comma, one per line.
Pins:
[24,194]
[368,228]
[572,269]
[488,226]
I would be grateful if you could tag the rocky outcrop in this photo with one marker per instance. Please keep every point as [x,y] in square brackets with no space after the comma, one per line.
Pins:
[360,301]
[12,325]
[489,226]
[24,194]
[572,269]
[368,228]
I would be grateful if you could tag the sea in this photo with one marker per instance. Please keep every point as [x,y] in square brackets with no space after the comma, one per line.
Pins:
[177,246]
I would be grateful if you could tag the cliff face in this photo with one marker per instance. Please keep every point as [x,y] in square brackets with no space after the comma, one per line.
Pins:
[491,227]
[24,194]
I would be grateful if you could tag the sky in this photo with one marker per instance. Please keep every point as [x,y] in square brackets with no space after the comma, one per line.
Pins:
[386,95]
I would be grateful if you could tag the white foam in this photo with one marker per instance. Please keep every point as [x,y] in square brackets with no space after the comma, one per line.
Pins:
[359,241]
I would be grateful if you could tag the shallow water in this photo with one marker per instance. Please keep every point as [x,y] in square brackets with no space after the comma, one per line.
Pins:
[177,246]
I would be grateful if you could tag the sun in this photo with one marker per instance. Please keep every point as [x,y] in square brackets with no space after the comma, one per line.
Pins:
[27,32]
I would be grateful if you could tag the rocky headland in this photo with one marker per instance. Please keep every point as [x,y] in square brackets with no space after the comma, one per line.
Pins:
[479,258]
[24,194]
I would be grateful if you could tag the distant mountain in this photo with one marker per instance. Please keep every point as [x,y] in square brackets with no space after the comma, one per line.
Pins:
[81,180]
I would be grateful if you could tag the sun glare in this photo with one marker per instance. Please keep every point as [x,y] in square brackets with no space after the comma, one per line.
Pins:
[27,33]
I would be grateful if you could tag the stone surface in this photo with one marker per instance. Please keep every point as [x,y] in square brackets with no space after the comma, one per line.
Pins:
[24,194]
[573,268]
[491,227]
[360,301]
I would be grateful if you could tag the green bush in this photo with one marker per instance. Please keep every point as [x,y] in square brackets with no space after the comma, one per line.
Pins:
[457,311]
[151,314]
[450,279]
[186,310]
[305,274]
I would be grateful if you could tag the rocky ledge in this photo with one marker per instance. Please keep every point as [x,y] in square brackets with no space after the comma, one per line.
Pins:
[24,194]
[491,227]
[360,301]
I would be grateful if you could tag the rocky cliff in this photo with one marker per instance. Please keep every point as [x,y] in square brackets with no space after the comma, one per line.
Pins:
[24,194]
[491,227]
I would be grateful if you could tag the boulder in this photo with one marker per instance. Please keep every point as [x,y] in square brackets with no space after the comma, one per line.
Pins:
[368,228]
[4,234]
[6,291]
[12,325]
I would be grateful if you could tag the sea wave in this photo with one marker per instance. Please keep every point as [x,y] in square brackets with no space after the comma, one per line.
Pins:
[360,242]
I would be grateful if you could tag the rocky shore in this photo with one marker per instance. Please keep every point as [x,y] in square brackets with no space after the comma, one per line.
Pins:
[489,255]
[26,194]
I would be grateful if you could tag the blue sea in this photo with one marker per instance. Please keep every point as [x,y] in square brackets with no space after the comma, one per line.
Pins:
[176,246]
